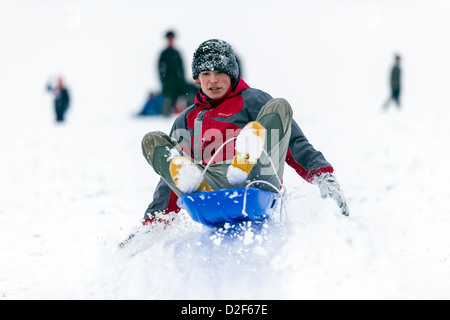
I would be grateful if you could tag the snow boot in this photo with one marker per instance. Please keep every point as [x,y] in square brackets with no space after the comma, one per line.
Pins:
[248,149]
[187,176]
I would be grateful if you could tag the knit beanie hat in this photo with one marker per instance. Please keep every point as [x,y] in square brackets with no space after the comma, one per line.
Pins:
[215,55]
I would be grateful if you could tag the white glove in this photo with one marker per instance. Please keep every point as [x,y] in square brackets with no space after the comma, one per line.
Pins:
[329,187]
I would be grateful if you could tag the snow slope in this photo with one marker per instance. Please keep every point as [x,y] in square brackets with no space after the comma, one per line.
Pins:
[71,193]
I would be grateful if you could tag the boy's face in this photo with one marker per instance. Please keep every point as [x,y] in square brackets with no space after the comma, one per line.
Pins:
[215,84]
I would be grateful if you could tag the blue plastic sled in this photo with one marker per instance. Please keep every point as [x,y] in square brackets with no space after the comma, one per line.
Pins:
[214,208]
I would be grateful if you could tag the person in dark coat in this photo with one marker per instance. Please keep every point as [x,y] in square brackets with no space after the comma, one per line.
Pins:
[171,73]
[395,83]
[62,99]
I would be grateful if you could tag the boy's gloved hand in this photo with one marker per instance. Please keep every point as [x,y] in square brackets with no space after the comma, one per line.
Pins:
[329,187]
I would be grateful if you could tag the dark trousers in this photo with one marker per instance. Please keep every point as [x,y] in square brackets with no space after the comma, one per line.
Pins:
[395,96]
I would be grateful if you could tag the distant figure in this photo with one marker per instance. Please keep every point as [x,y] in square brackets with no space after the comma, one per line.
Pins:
[62,99]
[171,73]
[395,84]
[153,105]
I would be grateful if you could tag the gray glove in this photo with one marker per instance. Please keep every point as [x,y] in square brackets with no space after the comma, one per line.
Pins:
[329,187]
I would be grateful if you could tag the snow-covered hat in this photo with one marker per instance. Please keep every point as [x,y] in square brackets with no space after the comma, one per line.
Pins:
[215,55]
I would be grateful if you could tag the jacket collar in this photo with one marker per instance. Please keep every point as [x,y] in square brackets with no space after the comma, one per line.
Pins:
[203,101]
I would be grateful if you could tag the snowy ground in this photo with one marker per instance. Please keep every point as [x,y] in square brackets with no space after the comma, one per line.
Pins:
[71,193]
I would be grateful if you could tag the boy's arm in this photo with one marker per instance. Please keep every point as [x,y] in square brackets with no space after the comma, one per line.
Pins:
[306,161]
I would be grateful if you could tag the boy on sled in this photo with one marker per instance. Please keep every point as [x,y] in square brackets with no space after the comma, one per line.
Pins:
[239,134]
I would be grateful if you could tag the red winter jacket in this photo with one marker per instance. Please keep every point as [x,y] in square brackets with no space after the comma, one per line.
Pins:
[210,123]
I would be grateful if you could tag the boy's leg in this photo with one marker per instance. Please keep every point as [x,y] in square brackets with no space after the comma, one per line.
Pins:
[177,169]
[159,150]
[276,118]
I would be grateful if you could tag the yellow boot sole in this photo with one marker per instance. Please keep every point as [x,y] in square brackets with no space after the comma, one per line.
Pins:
[187,176]
[248,149]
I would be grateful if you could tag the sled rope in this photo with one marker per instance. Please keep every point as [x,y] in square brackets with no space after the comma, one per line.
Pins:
[281,193]
[215,154]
